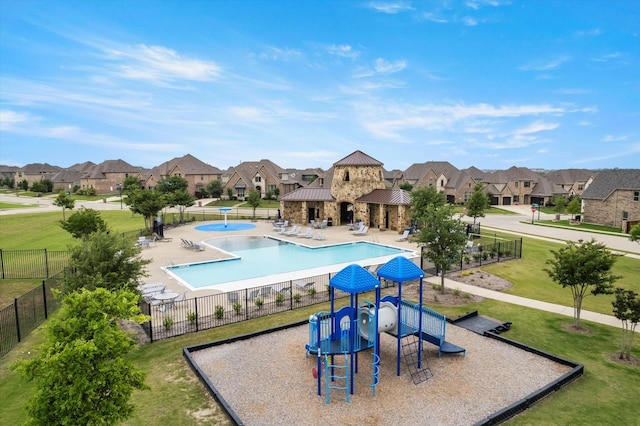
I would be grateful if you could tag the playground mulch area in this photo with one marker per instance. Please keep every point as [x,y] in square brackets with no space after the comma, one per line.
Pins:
[268,380]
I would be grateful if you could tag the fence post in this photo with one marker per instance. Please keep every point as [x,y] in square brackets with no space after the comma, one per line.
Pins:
[195,300]
[44,298]
[2,263]
[15,307]
[46,264]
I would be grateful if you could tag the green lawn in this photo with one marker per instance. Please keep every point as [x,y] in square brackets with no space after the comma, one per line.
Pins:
[581,226]
[7,206]
[607,394]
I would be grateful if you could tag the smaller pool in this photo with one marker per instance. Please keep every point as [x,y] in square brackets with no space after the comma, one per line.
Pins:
[221,227]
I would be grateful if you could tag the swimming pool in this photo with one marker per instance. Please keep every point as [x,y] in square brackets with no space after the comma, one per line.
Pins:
[256,258]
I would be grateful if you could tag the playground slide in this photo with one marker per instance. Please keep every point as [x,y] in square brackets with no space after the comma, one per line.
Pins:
[387,319]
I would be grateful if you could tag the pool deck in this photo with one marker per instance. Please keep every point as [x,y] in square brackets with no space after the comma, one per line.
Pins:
[172,253]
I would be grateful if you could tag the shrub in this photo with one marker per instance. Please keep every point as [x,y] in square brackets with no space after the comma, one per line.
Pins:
[168,323]
[297,297]
[312,292]
[259,302]
[280,299]
[237,307]
[466,259]
[192,317]
[219,312]
[456,292]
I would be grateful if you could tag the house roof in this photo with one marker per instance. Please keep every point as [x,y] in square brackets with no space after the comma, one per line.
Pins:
[37,168]
[608,181]
[569,176]
[309,194]
[358,158]
[111,166]
[417,170]
[188,164]
[386,196]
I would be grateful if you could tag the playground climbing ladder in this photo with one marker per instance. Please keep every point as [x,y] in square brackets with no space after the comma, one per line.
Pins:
[410,351]
[330,378]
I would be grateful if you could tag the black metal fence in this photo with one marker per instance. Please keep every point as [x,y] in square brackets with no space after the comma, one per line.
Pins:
[26,313]
[479,255]
[32,264]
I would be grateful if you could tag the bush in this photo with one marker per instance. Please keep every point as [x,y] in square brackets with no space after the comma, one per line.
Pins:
[168,323]
[237,308]
[219,312]
[297,297]
[259,302]
[280,299]
[192,317]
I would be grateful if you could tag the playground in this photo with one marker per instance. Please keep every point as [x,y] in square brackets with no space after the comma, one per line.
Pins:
[376,367]
[268,380]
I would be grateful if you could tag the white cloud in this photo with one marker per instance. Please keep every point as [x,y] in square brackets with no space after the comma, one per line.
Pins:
[343,51]
[385,67]
[611,138]
[607,57]
[469,21]
[545,65]
[429,16]
[589,33]
[536,127]
[159,64]
[8,119]
[278,54]
[391,8]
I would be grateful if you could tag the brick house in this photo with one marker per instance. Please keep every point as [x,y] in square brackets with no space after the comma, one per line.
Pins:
[105,177]
[613,199]
[573,181]
[197,173]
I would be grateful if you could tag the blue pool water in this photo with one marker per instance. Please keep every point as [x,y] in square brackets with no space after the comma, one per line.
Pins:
[261,256]
[221,227]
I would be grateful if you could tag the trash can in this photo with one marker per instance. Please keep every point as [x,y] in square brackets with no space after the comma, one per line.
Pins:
[330,221]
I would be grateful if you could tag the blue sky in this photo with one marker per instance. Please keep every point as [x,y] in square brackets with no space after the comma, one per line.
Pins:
[485,83]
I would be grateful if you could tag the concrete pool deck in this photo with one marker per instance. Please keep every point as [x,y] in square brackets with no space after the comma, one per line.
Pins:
[171,252]
[165,253]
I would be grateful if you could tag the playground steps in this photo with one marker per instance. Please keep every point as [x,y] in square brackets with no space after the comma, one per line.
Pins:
[411,353]
[331,375]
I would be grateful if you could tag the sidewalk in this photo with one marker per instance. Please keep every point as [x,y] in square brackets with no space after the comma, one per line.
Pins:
[529,303]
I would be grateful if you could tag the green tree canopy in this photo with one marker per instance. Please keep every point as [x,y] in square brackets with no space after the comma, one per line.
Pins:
[104,260]
[477,203]
[634,234]
[254,200]
[443,237]
[214,189]
[406,186]
[64,201]
[147,203]
[131,183]
[574,207]
[626,307]
[584,267]
[421,198]
[81,374]
[83,223]
[559,204]
[175,192]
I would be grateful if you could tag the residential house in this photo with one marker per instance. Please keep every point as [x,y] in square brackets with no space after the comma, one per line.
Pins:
[457,185]
[35,172]
[265,176]
[197,173]
[519,185]
[573,181]
[613,199]
[106,177]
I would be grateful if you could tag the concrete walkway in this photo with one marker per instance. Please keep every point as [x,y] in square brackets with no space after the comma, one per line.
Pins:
[529,303]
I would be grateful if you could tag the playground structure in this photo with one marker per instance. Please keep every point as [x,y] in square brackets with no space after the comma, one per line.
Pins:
[357,327]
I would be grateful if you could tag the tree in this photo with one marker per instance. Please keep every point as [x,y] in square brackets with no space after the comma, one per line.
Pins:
[104,260]
[147,203]
[634,234]
[229,193]
[583,267]
[214,189]
[626,307]
[559,204]
[83,223]
[406,186]
[574,207]
[64,201]
[24,185]
[175,191]
[443,237]
[276,192]
[254,200]
[421,198]
[477,202]
[131,183]
[82,375]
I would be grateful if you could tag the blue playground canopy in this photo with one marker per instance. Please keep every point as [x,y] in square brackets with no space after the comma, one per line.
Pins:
[354,279]
[400,269]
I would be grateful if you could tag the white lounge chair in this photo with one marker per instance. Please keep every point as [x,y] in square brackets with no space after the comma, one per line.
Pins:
[308,233]
[404,236]
[320,236]
[294,231]
[362,231]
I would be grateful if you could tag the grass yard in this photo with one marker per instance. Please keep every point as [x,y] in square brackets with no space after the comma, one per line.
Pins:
[607,394]
[8,206]
[581,226]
